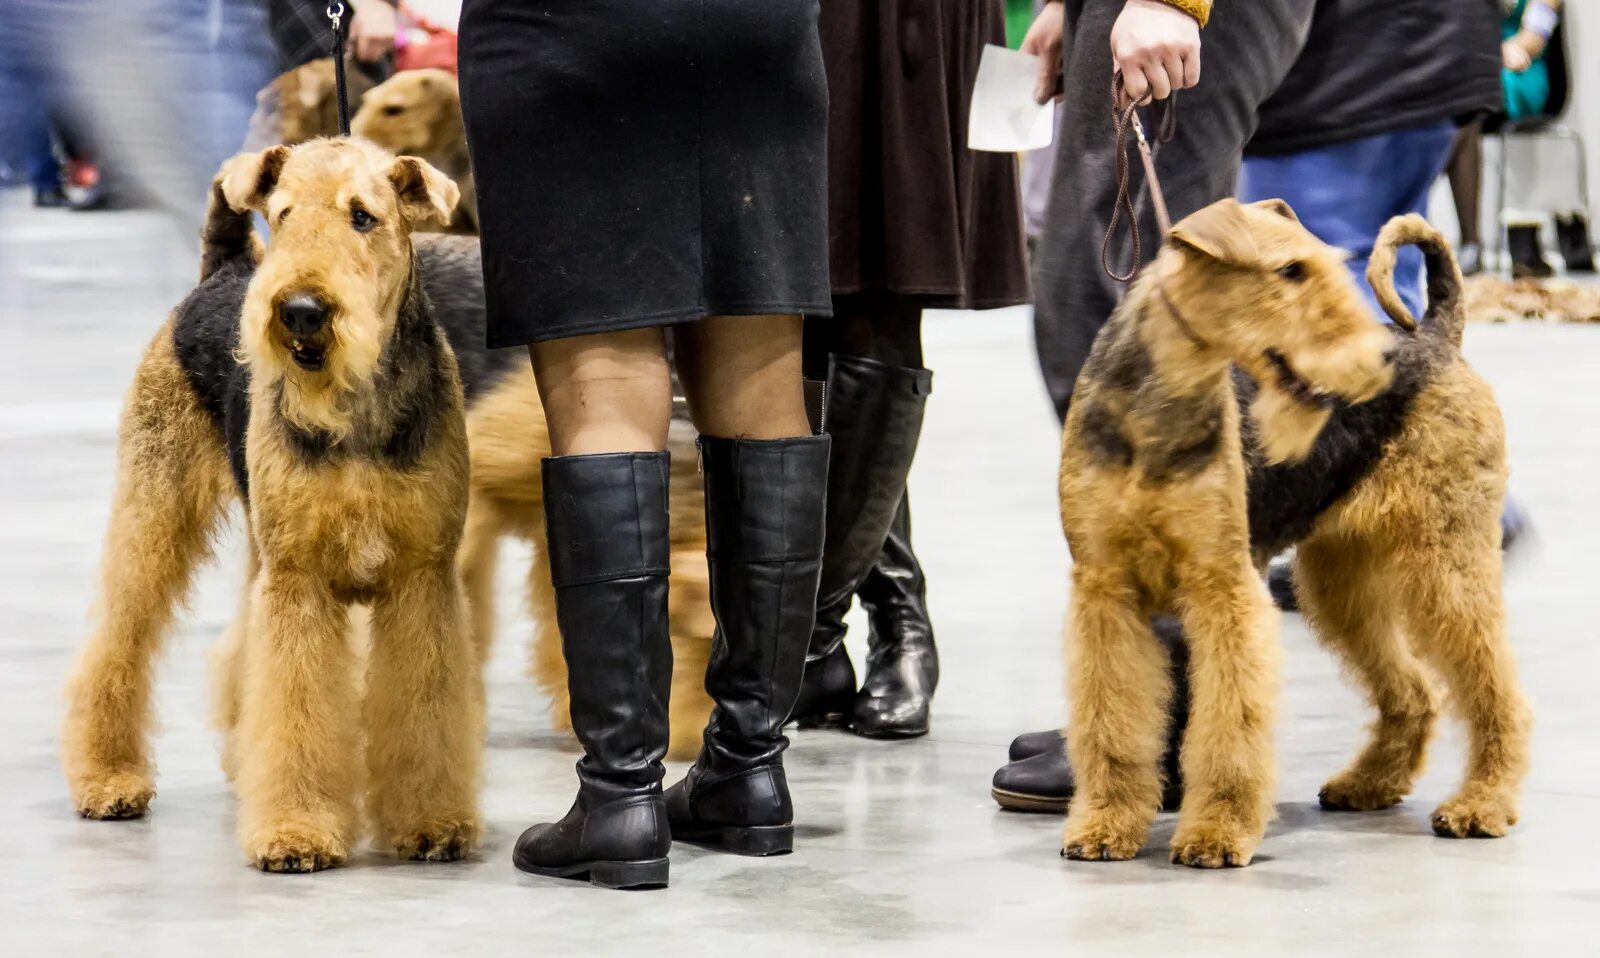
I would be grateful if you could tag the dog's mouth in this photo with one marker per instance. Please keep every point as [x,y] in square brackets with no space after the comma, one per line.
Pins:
[1297,386]
[308,356]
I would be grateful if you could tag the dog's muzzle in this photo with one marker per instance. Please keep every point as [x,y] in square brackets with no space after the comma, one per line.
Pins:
[305,316]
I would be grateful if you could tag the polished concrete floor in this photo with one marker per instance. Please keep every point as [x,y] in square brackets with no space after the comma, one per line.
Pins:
[901,850]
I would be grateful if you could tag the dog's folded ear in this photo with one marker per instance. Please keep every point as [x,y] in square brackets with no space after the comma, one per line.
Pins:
[1280,207]
[249,178]
[425,194]
[1220,231]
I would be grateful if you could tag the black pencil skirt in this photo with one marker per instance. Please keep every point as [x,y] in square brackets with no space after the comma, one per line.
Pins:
[645,162]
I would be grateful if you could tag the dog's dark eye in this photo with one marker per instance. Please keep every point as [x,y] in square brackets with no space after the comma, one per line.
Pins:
[393,110]
[1294,272]
[362,220]
[284,214]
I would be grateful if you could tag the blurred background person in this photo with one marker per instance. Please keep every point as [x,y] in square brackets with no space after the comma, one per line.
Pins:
[915,221]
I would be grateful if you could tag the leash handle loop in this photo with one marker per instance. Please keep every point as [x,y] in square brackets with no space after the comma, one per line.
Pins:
[1125,118]
[336,11]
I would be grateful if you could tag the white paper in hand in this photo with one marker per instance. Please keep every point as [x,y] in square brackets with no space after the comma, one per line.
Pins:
[1004,117]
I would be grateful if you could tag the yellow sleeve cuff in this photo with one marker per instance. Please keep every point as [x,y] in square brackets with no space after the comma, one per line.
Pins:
[1199,9]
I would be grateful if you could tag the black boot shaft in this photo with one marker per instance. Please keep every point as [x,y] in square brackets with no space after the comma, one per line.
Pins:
[764,509]
[874,413]
[606,522]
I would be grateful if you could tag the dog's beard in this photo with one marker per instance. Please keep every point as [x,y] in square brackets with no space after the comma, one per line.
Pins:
[1286,427]
[323,400]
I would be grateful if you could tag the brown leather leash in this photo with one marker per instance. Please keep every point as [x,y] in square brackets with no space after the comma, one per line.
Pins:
[1124,119]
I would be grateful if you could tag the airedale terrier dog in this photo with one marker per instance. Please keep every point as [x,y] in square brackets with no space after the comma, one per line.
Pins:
[1382,455]
[418,113]
[316,387]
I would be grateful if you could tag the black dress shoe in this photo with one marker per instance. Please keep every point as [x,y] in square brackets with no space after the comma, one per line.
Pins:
[1043,783]
[1029,744]
[1280,583]
[606,525]
[764,514]
[828,691]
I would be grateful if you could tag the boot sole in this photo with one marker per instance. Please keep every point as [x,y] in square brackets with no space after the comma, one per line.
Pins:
[756,841]
[890,732]
[823,720]
[1023,802]
[646,873]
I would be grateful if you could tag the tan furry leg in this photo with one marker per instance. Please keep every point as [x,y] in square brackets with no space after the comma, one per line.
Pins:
[1347,596]
[1119,688]
[171,482]
[1457,621]
[424,720]
[299,761]
[227,669]
[689,613]
[477,559]
[546,664]
[1227,757]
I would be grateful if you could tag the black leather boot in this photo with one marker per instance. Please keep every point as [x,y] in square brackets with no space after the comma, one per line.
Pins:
[1572,236]
[606,522]
[1527,257]
[1039,777]
[764,515]
[902,662]
[874,414]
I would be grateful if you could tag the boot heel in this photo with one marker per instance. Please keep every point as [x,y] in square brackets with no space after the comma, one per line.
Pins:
[758,840]
[643,874]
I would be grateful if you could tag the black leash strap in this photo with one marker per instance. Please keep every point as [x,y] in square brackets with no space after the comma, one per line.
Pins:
[335,12]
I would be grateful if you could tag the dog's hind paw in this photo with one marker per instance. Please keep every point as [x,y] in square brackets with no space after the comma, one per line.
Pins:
[444,840]
[1473,817]
[1351,793]
[292,848]
[115,796]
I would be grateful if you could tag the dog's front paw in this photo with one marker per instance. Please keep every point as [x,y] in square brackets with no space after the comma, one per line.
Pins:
[1474,816]
[1101,838]
[113,796]
[1348,792]
[296,848]
[1219,844]
[440,840]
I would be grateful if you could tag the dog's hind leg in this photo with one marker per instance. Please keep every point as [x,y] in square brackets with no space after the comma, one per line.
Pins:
[1346,593]
[298,762]
[1233,685]
[172,478]
[227,669]
[1119,685]
[1457,621]
[545,663]
[477,560]
[424,720]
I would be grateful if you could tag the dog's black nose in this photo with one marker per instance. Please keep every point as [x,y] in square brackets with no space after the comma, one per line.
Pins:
[303,313]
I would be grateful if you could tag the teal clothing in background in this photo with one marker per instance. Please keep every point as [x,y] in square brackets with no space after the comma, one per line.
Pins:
[1526,92]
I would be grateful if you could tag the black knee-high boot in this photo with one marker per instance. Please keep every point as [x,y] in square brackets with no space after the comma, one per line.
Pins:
[874,414]
[902,661]
[764,515]
[606,522]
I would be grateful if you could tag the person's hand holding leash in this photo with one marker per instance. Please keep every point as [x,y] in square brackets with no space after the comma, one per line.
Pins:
[1156,47]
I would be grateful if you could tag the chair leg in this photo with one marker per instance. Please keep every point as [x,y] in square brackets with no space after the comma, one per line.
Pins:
[1500,203]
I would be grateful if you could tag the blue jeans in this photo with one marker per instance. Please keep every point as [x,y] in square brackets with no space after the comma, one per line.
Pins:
[1345,193]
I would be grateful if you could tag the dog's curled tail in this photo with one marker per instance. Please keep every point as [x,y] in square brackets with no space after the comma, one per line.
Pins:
[226,234]
[1446,305]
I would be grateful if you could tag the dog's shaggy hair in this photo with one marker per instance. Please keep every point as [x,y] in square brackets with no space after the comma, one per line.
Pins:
[418,113]
[314,386]
[1394,506]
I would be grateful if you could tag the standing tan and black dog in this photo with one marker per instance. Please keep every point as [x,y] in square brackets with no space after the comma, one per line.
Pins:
[315,386]
[1242,400]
